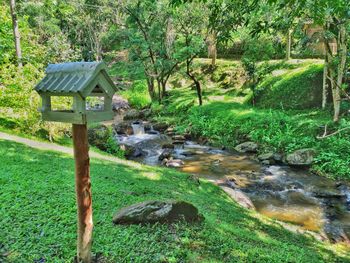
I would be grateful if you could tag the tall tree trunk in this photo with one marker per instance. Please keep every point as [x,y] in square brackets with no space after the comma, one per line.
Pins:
[150,86]
[212,50]
[324,85]
[159,90]
[289,44]
[336,72]
[195,81]
[16,34]
[342,53]
[163,82]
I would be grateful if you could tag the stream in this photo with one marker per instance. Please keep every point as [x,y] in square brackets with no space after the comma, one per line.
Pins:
[281,192]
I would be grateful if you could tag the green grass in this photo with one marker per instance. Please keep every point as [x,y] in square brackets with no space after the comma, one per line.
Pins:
[38,216]
[137,95]
[294,89]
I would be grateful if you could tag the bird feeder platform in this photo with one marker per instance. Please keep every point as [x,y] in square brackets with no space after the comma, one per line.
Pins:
[78,80]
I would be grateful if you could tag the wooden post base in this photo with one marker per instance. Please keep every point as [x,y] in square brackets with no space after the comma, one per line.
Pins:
[83,192]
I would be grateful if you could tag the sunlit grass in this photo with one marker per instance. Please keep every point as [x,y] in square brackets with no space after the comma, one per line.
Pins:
[38,216]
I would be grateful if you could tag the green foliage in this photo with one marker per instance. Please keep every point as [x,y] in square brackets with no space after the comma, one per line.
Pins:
[256,49]
[229,124]
[137,95]
[102,137]
[112,146]
[19,103]
[259,49]
[296,89]
[43,227]
[32,51]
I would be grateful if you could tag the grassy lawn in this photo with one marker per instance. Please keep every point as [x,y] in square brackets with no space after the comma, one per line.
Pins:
[38,216]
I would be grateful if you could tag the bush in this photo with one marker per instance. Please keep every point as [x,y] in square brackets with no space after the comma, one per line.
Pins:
[137,95]
[102,137]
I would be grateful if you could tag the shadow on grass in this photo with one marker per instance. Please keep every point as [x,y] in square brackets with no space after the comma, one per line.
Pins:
[39,216]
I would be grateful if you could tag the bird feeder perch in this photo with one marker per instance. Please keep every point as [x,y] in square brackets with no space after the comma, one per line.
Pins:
[79,80]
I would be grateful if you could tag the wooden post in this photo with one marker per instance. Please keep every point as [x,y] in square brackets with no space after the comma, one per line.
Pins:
[83,192]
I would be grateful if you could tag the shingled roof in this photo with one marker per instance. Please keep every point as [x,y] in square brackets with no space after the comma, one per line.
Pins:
[73,77]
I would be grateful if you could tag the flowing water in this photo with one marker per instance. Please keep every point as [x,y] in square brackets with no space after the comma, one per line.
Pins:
[277,191]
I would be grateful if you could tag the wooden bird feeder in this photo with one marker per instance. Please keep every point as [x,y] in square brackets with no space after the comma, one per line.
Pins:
[79,81]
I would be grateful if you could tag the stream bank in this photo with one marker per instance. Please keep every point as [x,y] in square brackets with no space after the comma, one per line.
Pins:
[279,191]
[292,194]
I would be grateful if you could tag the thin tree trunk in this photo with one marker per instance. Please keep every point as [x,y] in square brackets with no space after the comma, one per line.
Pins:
[195,81]
[214,55]
[83,192]
[332,80]
[289,44]
[159,91]
[336,73]
[324,85]
[150,86]
[16,34]
[212,50]
[342,53]
[164,88]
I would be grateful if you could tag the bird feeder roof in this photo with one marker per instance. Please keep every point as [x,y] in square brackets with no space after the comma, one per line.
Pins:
[76,77]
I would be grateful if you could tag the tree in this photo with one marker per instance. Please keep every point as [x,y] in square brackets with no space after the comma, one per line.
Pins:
[16,33]
[149,37]
[334,16]
[192,27]
[258,49]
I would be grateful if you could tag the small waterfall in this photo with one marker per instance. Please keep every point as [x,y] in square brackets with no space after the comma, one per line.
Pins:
[138,128]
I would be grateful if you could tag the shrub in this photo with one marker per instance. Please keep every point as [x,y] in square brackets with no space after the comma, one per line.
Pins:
[137,95]
[102,137]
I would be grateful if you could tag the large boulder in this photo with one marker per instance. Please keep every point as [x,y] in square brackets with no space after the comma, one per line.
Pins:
[157,211]
[123,128]
[267,158]
[133,115]
[161,126]
[119,103]
[302,157]
[131,151]
[247,147]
